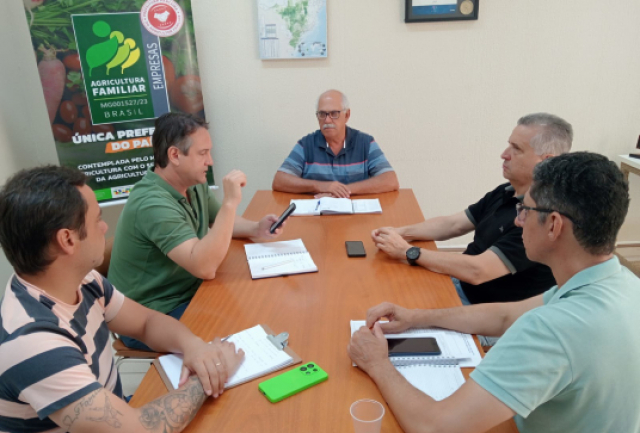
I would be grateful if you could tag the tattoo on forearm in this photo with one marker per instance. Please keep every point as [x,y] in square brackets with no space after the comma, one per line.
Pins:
[172,412]
[108,414]
[105,413]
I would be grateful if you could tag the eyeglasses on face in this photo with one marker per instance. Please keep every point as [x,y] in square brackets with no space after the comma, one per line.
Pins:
[522,216]
[333,114]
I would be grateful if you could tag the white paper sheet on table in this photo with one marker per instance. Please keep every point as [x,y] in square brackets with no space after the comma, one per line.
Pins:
[261,357]
[437,381]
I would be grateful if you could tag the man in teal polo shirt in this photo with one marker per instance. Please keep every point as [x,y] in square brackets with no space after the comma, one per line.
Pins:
[567,361]
[173,233]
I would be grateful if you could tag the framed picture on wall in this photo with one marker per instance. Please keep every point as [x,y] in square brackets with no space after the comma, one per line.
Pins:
[292,29]
[440,10]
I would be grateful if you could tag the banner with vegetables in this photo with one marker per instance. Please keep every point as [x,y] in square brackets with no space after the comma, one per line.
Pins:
[108,68]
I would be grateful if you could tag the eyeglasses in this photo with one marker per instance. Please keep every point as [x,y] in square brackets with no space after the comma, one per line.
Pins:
[523,215]
[333,114]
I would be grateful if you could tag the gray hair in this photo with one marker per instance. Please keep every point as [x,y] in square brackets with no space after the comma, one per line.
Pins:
[556,134]
[345,101]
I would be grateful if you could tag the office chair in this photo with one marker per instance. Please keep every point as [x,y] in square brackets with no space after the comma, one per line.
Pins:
[121,351]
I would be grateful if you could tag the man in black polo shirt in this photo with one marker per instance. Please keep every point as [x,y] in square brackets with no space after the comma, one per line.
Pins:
[494,267]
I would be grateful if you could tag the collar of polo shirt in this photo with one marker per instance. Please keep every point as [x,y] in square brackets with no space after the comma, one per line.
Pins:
[344,144]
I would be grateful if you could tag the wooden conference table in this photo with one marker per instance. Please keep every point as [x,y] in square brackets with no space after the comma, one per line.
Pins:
[315,309]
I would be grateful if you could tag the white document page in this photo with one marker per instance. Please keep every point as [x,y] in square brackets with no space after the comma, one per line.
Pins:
[306,207]
[286,265]
[452,344]
[257,251]
[335,205]
[437,381]
[273,259]
[367,206]
[172,366]
[261,357]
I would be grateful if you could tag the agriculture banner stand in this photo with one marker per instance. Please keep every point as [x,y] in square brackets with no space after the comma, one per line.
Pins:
[108,69]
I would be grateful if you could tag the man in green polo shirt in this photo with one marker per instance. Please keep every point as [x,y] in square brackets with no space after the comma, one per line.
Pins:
[567,361]
[173,233]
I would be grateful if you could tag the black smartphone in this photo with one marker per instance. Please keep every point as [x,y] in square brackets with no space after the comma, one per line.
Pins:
[355,249]
[413,346]
[287,212]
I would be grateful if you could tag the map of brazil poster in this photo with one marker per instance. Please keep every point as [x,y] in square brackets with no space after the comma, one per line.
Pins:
[292,29]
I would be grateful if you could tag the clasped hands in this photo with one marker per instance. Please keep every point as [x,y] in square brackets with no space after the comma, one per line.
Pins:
[333,189]
[368,347]
[388,240]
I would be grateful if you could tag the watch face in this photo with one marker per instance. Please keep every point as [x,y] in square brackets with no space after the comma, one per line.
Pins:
[413,253]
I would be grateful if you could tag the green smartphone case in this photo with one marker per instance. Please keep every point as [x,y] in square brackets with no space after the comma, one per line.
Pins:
[292,382]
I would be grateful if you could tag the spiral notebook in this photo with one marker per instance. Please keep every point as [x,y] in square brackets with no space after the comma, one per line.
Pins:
[274,259]
[438,380]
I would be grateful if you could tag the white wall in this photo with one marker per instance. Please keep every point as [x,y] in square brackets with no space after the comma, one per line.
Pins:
[440,98]
[25,138]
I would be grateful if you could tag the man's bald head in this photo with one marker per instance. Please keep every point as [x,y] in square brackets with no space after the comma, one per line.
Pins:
[334,95]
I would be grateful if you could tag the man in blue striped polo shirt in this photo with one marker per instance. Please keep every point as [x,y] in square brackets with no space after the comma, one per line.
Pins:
[336,160]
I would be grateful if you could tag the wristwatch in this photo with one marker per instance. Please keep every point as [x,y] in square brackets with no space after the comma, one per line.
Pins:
[412,255]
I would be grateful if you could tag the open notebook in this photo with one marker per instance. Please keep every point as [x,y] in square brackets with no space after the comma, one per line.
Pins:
[336,206]
[261,358]
[273,259]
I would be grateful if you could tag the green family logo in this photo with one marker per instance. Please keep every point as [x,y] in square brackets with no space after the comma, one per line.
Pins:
[121,67]
[116,51]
